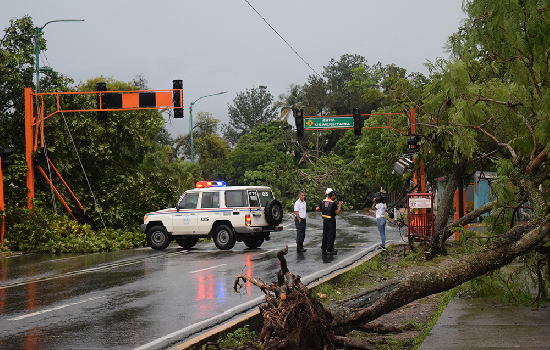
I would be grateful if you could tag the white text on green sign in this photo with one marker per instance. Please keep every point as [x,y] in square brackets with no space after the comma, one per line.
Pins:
[328,122]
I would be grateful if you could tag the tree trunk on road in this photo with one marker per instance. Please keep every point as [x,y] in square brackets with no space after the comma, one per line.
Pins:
[351,313]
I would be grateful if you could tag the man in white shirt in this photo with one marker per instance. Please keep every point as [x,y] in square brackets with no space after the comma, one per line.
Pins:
[300,221]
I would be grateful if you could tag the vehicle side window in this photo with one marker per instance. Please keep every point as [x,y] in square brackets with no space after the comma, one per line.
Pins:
[189,201]
[235,199]
[265,196]
[253,199]
[210,200]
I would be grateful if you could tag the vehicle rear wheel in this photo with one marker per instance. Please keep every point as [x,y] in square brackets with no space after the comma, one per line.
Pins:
[224,238]
[157,237]
[253,242]
[187,242]
[273,212]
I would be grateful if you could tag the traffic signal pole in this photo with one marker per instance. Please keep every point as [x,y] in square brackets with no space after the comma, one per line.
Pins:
[107,101]
[2,205]
[29,121]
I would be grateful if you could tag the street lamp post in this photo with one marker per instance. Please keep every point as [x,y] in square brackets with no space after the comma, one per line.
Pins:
[37,32]
[191,122]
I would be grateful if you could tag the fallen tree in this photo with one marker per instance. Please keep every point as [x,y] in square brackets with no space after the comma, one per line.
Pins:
[293,319]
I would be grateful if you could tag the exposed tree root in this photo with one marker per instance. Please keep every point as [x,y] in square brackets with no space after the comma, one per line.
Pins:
[292,319]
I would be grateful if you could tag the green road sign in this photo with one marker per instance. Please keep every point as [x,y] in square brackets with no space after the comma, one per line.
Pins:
[327,122]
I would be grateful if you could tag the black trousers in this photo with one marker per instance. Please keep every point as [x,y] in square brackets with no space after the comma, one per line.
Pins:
[300,232]
[329,234]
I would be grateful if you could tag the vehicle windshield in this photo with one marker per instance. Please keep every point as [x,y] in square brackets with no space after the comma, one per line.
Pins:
[265,196]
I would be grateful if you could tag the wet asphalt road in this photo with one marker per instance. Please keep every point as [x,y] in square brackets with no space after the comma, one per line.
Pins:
[147,299]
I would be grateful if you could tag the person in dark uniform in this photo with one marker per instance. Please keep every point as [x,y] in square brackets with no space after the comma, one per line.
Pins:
[328,210]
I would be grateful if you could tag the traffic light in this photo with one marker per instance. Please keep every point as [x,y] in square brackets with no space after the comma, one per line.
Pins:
[299,119]
[177,98]
[357,122]
[101,102]
[4,154]
[413,145]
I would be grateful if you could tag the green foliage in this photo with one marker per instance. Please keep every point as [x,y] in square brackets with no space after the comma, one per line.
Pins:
[241,336]
[266,157]
[516,283]
[40,229]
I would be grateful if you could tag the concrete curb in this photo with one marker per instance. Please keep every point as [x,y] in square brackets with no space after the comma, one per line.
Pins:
[253,318]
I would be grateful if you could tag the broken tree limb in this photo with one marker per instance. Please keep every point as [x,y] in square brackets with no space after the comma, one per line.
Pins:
[351,313]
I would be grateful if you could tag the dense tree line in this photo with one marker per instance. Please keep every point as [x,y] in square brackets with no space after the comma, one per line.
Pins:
[483,109]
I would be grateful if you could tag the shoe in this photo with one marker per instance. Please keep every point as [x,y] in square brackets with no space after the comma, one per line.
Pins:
[332,252]
[301,250]
[382,247]
[324,252]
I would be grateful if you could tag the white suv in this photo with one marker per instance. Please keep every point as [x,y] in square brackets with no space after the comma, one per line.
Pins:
[227,214]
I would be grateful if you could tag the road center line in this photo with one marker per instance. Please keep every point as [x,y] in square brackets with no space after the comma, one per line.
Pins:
[55,308]
[208,268]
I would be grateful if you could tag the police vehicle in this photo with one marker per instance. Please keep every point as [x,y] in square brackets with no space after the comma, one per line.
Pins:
[228,214]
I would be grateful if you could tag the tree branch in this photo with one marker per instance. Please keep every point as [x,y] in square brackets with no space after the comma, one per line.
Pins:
[466,219]
[476,127]
[535,163]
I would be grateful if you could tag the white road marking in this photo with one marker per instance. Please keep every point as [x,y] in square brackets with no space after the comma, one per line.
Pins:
[55,308]
[92,269]
[208,268]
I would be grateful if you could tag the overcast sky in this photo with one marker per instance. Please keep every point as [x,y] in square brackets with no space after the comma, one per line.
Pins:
[224,45]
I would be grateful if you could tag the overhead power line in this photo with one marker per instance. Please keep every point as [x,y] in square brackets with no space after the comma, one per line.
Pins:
[280,36]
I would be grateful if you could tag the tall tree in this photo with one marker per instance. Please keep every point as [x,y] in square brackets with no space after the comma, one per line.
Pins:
[250,108]
[290,101]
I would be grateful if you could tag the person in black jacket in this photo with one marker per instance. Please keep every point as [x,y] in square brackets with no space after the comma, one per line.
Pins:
[328,210]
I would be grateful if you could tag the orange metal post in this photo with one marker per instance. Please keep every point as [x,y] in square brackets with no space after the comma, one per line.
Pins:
[29,145]
[2,204]
[456,216]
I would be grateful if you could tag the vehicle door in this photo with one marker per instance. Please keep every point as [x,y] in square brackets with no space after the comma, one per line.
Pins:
[209,211]
[255,208]
[186,218]
[238,202]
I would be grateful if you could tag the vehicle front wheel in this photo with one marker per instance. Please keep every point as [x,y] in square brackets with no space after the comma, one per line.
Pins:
[187,242]
[253,242]
[157,237]
[224,238]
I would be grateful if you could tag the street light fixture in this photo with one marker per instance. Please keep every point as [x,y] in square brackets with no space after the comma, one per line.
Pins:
[191,122]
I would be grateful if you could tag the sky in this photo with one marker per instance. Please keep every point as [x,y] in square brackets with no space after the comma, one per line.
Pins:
[224,45]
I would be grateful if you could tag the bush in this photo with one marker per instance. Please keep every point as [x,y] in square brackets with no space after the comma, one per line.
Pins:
[40,229]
